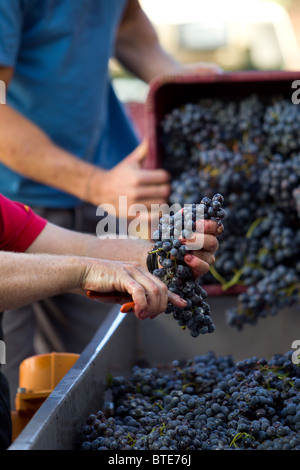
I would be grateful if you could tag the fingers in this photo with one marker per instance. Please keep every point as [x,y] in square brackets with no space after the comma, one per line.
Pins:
[209,227]
[138,294]
[150,295]
[138,154]
[153,192]
[159,176]
[202,241]
[176,300]
[202,247]
[199,265]
[145,186]
[202,68]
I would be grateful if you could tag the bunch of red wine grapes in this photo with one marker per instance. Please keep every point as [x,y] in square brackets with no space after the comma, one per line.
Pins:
[170,249]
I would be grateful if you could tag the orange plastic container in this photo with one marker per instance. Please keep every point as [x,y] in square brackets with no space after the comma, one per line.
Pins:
[41,373]
[38,376]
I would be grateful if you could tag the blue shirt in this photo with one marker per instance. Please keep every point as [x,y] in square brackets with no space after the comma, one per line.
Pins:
[60,51]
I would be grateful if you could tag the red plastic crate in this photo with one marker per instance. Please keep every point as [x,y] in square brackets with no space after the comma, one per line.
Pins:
[136,113]
[166,93]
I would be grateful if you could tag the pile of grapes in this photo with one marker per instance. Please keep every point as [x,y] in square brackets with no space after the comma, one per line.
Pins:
[208,403]
[170,249]
[248,150]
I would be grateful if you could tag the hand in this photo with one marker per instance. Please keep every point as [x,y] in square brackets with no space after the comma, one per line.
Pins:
[128,178]
[201,259]
[201,68]
[149,294]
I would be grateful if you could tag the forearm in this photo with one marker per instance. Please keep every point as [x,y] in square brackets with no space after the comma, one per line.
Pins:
[119,250]
[146,64]
[26,278]
[57,240]
[138,48]
[26,149]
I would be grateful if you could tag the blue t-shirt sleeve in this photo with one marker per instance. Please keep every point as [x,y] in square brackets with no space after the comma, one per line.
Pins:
[11,21]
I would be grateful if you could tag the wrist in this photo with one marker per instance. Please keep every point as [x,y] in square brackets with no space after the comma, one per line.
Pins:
[83,268]
[94,188]
[142,254]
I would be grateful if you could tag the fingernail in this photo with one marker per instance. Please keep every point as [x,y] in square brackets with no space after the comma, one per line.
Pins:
[188,258]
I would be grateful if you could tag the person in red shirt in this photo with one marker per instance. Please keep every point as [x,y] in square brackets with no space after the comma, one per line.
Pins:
[19,226]
[41,270]
[40,260]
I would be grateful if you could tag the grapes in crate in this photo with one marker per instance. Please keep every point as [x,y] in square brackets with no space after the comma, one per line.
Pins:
[248,149]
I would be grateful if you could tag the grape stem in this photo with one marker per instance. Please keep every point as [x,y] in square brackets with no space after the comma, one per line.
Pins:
[234,280]
[155,251]
[253,226]
[237,437]
[217,276]
[226,284]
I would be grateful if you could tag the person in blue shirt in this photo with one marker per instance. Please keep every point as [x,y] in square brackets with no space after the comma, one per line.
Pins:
[66,144]
[64,133]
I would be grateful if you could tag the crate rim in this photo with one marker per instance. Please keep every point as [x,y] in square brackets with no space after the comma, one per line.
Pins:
[220,77]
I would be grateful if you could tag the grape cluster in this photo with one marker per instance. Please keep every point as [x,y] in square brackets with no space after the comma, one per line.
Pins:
[279,179]
[274,291]
[296,197]
[235,171]
[206,124]
[281,123]
[249,150]
[170,248]
[207,403]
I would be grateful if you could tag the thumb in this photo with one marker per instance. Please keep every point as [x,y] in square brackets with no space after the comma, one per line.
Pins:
[138,154]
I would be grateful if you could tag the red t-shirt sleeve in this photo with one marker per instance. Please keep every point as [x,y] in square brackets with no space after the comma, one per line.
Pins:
[19,225]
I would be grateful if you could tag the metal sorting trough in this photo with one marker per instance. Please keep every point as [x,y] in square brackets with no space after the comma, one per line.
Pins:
[122,341]
[59,420]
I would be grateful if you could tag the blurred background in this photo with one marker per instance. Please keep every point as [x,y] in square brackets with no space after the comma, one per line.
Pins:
[235,34]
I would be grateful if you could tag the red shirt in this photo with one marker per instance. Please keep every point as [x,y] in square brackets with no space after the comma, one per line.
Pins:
[19,225]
